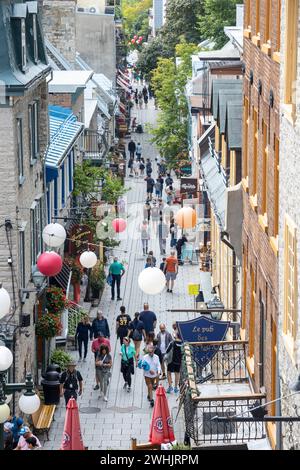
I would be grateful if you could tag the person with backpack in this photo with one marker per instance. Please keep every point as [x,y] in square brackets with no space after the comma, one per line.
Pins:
[150,186]
[173,357]
[145,236]
[164,338]
[128,354]
[142,167]
[138,151]
[137,333]
[71,382]
[169,180]
[131,148]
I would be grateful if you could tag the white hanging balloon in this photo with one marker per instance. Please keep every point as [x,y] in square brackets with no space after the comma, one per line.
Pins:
[6,358]
[88,259]
[4,412]
[4,302]
[29,403]
[152,281]
[54,235]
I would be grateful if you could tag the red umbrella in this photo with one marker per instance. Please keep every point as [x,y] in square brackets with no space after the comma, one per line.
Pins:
[72,438]
[161,431]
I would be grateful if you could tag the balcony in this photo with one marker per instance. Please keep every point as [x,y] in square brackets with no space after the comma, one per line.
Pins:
[219,386]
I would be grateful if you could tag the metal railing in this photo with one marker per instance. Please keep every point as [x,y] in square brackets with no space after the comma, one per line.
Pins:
[223,361]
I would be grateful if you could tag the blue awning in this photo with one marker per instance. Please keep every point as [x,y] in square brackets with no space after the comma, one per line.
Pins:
[64,131]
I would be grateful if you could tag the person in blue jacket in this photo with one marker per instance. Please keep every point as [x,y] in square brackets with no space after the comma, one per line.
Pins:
[100,325]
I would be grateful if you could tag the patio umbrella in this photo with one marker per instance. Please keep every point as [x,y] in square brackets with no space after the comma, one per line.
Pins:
[161,431]
[72,438]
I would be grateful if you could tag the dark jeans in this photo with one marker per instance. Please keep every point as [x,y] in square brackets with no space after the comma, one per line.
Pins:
[131,153]
[127,371]
[70,394]
[116,278]
[80,342]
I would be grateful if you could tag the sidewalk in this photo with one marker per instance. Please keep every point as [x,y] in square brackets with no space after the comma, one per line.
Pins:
[111,425]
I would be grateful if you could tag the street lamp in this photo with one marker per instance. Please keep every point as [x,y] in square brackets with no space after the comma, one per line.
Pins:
[29,402]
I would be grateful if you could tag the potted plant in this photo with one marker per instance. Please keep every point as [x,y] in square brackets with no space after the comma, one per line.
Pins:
[61,358]
[48,326]
[97,280]
[55,300]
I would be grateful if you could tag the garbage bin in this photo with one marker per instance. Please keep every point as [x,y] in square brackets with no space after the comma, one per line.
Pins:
[50,384]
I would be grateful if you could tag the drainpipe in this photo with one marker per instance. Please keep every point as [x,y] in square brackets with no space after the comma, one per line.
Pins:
[224,239]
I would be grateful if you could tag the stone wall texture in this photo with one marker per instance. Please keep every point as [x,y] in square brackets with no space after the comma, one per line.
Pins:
[289,190]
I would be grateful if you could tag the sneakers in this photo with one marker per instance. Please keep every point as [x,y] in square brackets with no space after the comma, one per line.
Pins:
[105,398]
[79,360]
[171,291]
[152,403]
[119,298]
[101,394]
[176,390]
[84,360]
[163,377]
[128,389]
[170,389]
[148,398]
[96,387]
[112,298]
[125,385]
[168,290]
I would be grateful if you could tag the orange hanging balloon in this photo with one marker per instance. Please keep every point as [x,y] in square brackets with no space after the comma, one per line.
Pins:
[186,218]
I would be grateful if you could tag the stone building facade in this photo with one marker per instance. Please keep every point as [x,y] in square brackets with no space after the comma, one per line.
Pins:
[289,217]
[23,143]
[261,194]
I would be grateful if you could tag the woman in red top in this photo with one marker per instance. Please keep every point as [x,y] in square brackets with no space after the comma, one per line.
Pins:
[171,270]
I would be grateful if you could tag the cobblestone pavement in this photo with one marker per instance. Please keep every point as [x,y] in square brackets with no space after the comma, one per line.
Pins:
[111,425]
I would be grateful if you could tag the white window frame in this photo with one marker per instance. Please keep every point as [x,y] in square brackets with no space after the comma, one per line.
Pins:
[33,125]
[35,43]
[20,149]
[23,46]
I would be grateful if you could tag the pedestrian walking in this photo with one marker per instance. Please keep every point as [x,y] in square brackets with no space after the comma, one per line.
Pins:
[152,369]
[174,366]
[96,345]
[144,91]
[140,98]
[25,434]
[158,353]
[100,325]
[83,333]
[122,324]
[146,99]
[155,215]
[138,151]
[149,319]
[150,186]
[147,211]
[148,263]
[136,93]
[136,168]
[71,382]
[103,365]
[152,259]
[116,270]
[145,236]
[162,265]
[162,232]
[128,354]
[159,185]
[171,270]
[164,338]
[131,148]
[174,233]
[169,180]
[137,333]
[133,124]
[142,167]
[179,247]
[149,168]
[170,194]
[130,165]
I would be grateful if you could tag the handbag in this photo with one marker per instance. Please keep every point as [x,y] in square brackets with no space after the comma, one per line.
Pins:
[168,357]
[109,279]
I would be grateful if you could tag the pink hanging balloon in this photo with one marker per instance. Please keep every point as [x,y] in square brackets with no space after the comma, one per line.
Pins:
[49,263]
[119,225]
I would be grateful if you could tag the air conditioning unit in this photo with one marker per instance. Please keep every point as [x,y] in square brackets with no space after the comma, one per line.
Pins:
[92,10]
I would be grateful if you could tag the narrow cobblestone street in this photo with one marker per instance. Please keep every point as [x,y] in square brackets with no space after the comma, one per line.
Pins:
[111,425]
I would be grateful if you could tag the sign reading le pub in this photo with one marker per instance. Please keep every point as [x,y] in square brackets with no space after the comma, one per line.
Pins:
[189,187]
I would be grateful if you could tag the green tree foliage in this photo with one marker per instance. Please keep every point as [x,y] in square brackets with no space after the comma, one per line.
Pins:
[168,81]
[216,14]
[135,17]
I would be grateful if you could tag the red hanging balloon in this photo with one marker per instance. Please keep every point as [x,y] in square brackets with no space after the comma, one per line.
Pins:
[119,225]
[49,263]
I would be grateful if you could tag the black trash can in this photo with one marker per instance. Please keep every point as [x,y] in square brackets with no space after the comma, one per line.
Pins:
[50,384]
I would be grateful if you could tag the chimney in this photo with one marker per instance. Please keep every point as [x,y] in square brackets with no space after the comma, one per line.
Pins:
[239,15]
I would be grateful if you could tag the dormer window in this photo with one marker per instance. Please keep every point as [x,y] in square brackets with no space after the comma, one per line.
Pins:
[23,45]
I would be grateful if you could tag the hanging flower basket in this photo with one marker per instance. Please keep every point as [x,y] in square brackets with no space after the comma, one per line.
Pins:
[55,300]
[48,326]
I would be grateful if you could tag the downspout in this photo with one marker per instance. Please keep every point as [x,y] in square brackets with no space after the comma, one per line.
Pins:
[224,239]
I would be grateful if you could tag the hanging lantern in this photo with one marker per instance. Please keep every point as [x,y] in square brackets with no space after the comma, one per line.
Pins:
[6,358]
[88,259]
[186,217]
[49,263]
[152,281]
[29,403]
[4,412]
[4,302]
[54,235]
[119,225]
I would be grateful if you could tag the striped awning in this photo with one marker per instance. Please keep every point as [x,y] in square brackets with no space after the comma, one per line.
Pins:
[64,131]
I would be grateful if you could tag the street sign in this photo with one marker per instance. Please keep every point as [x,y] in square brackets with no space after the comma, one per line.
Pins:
[193,289]
[189,187]
[203,329]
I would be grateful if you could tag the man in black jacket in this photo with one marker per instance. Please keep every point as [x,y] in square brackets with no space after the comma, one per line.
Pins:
[100,324]
[131,148]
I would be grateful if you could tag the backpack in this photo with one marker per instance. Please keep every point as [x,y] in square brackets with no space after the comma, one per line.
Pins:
[168,357]
[137,335]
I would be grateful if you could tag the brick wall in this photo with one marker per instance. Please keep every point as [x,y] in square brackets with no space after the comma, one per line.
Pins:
[274,21]
[256,241]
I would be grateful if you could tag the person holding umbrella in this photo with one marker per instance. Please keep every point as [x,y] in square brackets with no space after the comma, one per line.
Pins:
[71,382]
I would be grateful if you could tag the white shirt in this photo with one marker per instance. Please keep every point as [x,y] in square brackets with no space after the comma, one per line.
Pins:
[163,343]
[154,364]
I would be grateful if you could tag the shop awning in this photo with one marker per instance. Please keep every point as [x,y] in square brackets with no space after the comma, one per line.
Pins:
[123,85]
[64,131]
